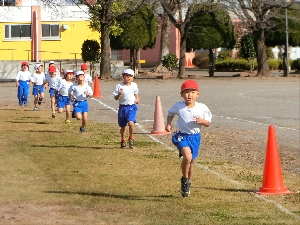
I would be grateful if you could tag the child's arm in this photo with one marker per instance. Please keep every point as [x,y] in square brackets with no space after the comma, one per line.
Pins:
[169,123]
[202,121]
[137,98]
[119,95]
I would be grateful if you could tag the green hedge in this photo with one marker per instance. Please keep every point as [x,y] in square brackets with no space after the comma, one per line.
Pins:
[243,64]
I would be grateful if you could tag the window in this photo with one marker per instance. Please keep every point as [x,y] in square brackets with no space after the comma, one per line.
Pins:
[50,30]
[17,31]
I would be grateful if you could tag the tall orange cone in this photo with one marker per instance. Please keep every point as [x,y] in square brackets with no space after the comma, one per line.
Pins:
[158,124]
[272,178]
[97,93]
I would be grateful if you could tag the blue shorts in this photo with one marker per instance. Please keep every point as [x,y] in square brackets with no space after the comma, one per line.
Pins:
[80,106]
[63,101]
[51,91]
[126,113]
[36,91]
[181,140]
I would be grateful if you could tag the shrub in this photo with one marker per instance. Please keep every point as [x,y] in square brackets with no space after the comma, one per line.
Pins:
[201,60]
[90,51]
[296,64]
[225,54]
[273,64]
[170,61]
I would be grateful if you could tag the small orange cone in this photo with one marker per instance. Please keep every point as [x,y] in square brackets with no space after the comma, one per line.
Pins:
[272,179]
[97,93]
[158,124]
[189,62]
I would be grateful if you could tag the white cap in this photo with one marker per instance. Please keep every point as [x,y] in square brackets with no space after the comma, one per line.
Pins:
[79,73]
[69,71]
[51,62]
[37,66]
[128,71]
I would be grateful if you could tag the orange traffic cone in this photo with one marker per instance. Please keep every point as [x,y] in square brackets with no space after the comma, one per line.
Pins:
[272,179]
[158,124]
[189,62]
[97,93]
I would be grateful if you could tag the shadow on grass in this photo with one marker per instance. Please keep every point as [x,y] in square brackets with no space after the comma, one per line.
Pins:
[45,131]
[230,189]
[73,146]
[126,197]
[38,122]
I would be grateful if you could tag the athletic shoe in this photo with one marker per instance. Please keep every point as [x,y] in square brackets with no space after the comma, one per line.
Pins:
[35,109]
[53,115]
[185,187]
[67,121]
[40,100]
[131,143]
[26,104]
[82,130]
[123,144]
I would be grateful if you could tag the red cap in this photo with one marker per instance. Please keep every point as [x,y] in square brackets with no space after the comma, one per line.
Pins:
[189,84]
[52,69]
[84,66]
[25,63]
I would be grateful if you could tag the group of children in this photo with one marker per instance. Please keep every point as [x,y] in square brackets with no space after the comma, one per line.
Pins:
[192,115]
[62,90]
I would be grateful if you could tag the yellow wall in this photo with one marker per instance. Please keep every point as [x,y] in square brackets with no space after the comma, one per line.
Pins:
[70,42]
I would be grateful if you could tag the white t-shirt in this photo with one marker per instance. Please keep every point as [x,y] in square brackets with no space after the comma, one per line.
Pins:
[127,98]
[23,76]
[78,91]
[38,78]
[88,79]
[52,82]
[186,122]
[63,87]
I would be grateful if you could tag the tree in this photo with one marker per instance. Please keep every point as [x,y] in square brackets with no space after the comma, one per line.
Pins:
[257,17]
[104,14]
[211,31]
[182,13]
[90,52]
[139,31]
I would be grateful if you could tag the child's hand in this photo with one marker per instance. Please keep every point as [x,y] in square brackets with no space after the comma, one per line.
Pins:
[168,128]
[198,119]
[120,91]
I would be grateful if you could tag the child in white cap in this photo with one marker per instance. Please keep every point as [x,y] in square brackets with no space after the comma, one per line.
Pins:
[63,94]
[37,79]
[79,92]
[191,116]
[126,93]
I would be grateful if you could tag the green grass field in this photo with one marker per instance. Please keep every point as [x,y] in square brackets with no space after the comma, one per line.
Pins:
[49,168]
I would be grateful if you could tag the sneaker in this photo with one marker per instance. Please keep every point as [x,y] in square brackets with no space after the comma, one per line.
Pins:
[185,187]
[26,104]
[67,121]
[131,143]
[40,100]
[53,115]
[123,144]
[82,130]
[35,109]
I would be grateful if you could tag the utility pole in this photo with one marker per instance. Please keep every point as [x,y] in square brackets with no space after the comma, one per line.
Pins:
[286,72]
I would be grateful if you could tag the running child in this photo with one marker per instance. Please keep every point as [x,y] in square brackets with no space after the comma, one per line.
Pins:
[37,80]
[22,83]
[127,94]
[53,81]
[191,116]
[63,94]
[78,93]
[87,77]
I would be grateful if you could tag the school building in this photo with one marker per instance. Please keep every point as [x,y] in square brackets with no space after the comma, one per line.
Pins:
[34,32]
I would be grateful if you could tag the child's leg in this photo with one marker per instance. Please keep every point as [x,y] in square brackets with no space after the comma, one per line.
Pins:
[68,111]
[20,93]
[60,110]
[42,96]
[186,162]
[123,133]
[84,119]
[35,100]
[191,170]
[52,103]
[131,129]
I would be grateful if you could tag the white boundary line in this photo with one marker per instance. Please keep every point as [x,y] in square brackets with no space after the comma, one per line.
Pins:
[222,177]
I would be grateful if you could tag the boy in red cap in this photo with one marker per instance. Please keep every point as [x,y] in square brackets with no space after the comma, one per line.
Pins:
[191,116]
[22,83]
[87,77]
